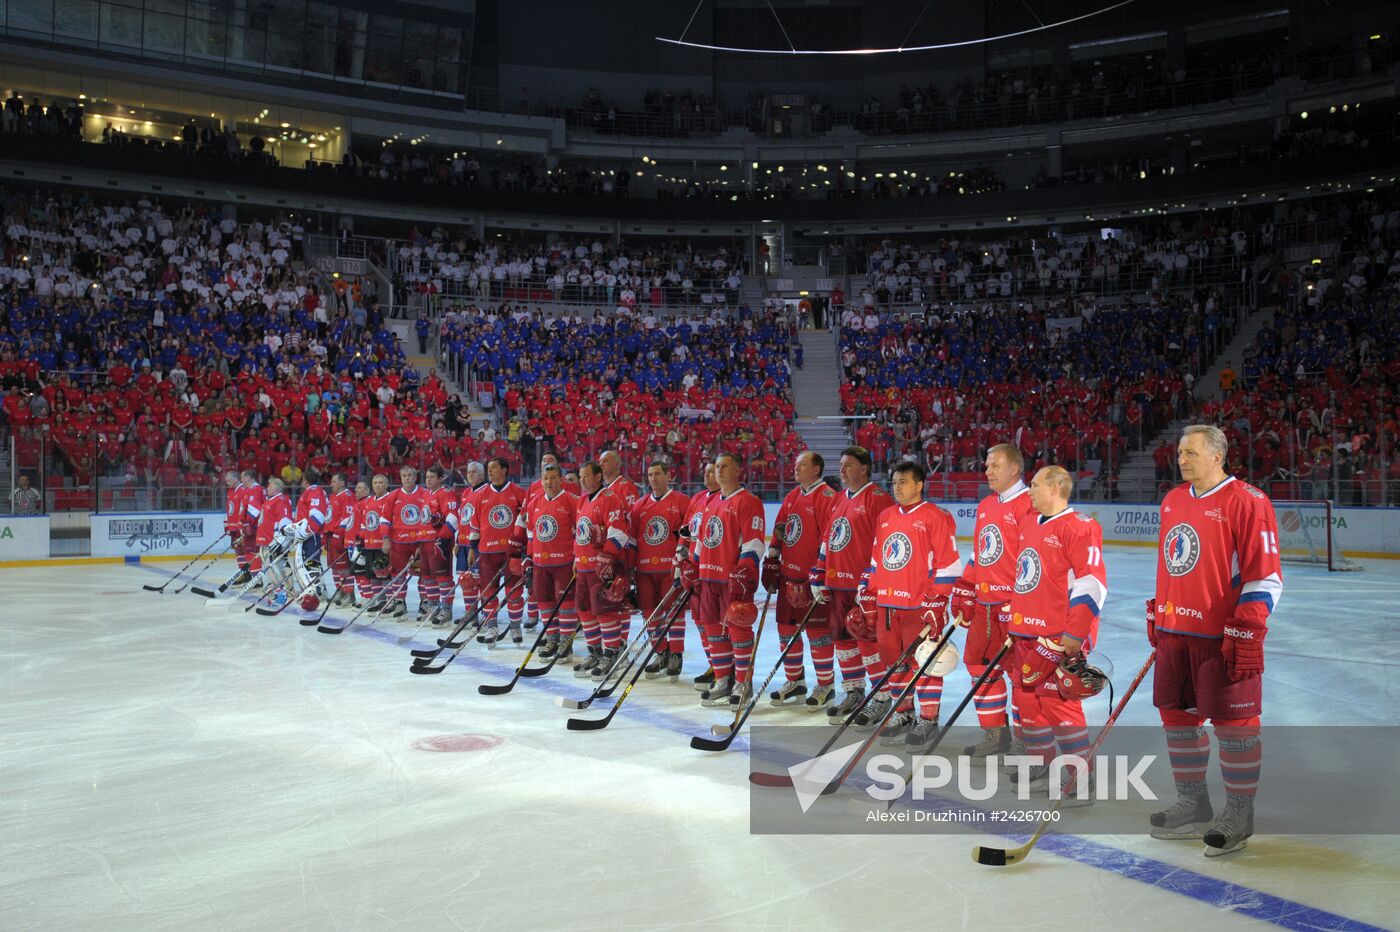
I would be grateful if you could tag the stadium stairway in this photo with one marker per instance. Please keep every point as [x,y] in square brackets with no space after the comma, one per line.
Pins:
[1137,477]
[816,391]
[1233,354]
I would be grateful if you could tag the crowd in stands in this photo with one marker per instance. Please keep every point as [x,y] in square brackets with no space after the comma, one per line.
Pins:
[1315,410]
[158,346]
[683,389]
[638,278]
[1142,259]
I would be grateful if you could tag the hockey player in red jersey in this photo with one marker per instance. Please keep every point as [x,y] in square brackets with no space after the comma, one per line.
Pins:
[694,518]
[371,535]
[313,511]
[725,560]
[466,567]
[1218,580]
[250,499]
[410,526]
[843,557]
[798,531]
[493,538]
[548,520]
[985,586]
[1059,590]
[655,522]
[342,505]
[913,564]
[233,521]
[274,521]
[435,556]
[615,482]
[601,542]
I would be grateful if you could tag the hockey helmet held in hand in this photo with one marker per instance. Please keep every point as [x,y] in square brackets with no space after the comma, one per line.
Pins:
[1077,679]
[946,661]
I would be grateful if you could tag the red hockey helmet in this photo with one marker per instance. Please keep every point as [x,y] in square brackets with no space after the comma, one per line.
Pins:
[1077,679]
[309,603]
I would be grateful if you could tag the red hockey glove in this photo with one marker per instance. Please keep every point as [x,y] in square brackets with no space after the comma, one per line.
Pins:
[1243,648]
[608,568]
[515,566]
[1042,662]
[799,595]
[933,608]
[435,519]
[615,589]
[1152,622]
[743,581]
[772,575]
[688,574]
[963,603]
[860,620]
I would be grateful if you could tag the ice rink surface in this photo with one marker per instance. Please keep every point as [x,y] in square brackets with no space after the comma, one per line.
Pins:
[167,765]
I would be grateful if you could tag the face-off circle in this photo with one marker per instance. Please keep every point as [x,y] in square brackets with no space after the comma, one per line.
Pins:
[456,744]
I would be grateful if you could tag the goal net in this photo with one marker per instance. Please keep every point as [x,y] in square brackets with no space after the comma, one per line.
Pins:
[1308,533]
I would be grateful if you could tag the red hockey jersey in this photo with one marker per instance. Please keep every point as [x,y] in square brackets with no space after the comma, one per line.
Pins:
[443,504]
[996,539]
[409,516]
[1218,559]
[800,527]
[548,524]
[732,529]
[695,513]
[914,553]
[626,490]
[275,512]
[654,523]
[313,507]
[371,523]
[493,518]
[342,514]
[1061,583]
[466,513]
[253,498]
[600,527]
[844,555]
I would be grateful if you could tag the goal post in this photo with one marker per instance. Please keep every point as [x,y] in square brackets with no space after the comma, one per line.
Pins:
[1308,534]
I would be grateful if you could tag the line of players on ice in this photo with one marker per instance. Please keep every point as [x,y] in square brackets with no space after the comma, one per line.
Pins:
[872,572]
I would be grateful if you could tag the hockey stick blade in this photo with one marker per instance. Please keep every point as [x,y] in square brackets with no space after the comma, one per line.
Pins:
[771,780]
[573,705]
[268,612]
[160,588]
[308,622]
[326,629]
[701,743]
[203,593]
[426,670]
[999,857]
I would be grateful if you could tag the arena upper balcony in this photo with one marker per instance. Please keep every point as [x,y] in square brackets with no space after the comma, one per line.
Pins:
[466,74]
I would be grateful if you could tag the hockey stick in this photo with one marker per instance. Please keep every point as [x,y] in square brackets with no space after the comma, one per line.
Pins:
[405,638]
[725,734]
[495,689]
[196,559]
[307,590]
[904,694]
[423,664]
[473,630]
[449,642]
[596,724]
[634,649]
[277,585]
[781,779]
[1000,857]
[388,586]
[603,690]
[992,668]
[242,590]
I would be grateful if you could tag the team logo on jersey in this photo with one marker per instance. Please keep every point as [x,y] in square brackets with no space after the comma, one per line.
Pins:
[1181,548]
[990,545]
[411,514]
[501,517]
[657,530]
[1028,570]
[897,552]
[372,520]
[840,535]
[546,528]
[695,520]
[583,531]
[792,530]
[468,512]
[714,532]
